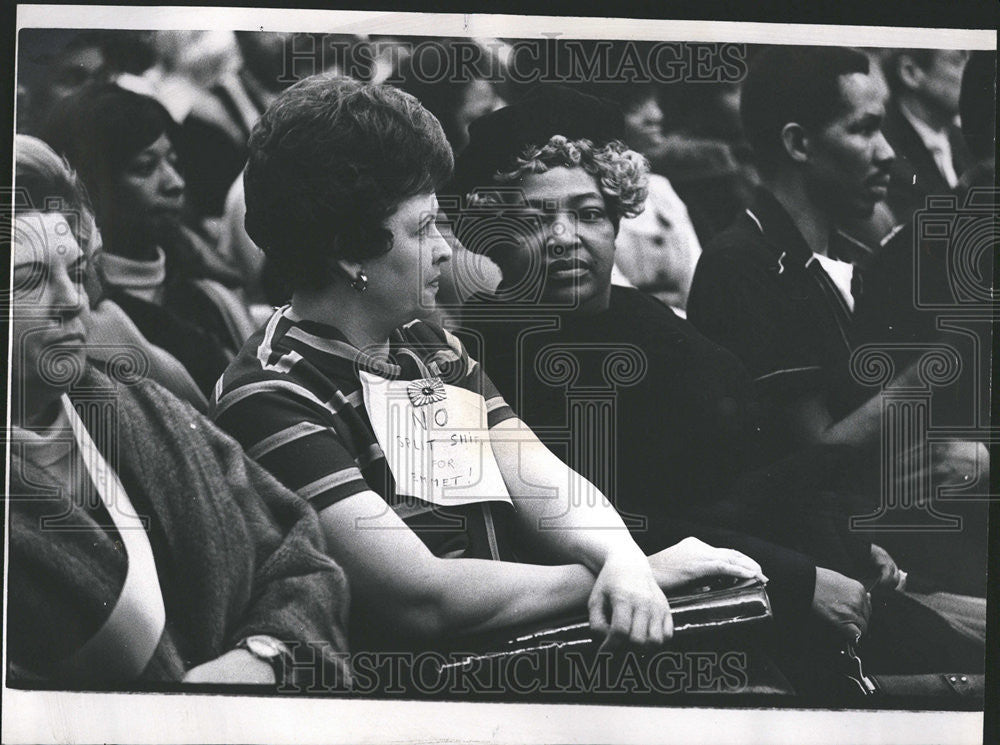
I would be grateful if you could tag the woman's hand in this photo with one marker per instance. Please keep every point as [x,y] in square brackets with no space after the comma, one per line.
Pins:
[627,605]
[959,462]
[692,559]
[235,667]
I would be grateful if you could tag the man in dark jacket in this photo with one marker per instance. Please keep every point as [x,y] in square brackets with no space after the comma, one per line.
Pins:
[779,287]
[920,125]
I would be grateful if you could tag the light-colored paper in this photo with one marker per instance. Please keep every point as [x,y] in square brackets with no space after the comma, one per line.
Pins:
[438,452]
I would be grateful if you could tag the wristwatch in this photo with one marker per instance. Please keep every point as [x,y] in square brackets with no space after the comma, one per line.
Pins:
[270,650]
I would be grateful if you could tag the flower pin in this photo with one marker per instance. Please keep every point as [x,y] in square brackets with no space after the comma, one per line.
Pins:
[426,391]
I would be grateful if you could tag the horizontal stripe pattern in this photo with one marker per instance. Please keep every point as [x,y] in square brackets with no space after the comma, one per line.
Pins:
[293,399]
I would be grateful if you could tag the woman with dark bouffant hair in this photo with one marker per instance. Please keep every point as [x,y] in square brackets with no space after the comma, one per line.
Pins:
[163,274]
[431,492]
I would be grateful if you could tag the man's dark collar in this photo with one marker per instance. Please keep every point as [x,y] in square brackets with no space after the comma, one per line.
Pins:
[776,225]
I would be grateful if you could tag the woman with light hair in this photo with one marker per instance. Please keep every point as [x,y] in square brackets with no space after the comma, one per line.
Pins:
[145,547]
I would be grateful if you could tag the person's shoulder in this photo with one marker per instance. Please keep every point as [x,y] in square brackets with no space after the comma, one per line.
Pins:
[742,241]
[267,362]
[651,315]
[135,394]
[895,247]
[641,305]
[737,252]
[682,343]
[434,343]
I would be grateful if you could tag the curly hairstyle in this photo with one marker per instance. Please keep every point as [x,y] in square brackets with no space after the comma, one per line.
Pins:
[330,160]
[622,174]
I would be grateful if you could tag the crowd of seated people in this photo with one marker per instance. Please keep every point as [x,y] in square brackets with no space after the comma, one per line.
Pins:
[628,440]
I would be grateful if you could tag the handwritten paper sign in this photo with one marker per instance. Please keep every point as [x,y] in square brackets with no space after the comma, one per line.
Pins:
[436,440]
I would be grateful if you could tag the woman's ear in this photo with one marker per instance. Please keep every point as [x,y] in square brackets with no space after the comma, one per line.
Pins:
[349,270]
[795,141]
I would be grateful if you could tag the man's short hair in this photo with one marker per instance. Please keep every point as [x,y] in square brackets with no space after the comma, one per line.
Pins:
[793,84]
[330,160]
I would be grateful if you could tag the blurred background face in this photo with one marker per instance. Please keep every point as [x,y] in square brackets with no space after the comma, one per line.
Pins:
[573,245]
[265,55]
[644,126]
[478,99]
[941,82]
[149,194]
[75,69]
[57,78]
[50,305]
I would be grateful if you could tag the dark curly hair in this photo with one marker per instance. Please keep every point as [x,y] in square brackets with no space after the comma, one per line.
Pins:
[330,161]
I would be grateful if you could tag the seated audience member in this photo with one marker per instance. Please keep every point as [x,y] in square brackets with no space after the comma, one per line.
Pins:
[921,128]
[212,143]
[888,310]
[779,287]
[680,418]
[145,546]
[111,332]
[173,287]
[340,189]
[213,138]
[53,64]
[185,64]
[656,250]
[952,277]
[704,153]
[454,103]
[458,99]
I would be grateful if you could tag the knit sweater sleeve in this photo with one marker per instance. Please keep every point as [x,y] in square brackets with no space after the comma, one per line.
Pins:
[298,594]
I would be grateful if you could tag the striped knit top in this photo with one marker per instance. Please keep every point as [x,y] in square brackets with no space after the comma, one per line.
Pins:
[294,401]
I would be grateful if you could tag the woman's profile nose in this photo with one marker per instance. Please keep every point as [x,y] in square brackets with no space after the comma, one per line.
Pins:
[171,183]
[441,250]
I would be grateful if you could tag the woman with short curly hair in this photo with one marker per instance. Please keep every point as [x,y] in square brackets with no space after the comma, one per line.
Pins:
[544,184]
[621,174]
[554,142]
[340,192]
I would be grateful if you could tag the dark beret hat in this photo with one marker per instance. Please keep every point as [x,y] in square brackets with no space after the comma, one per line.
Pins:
[495,140]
